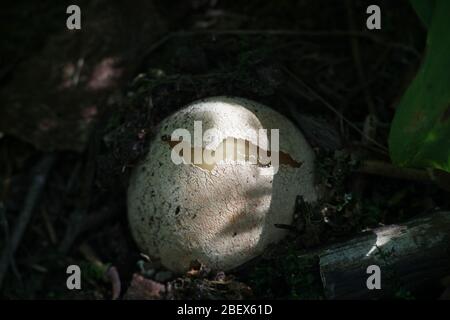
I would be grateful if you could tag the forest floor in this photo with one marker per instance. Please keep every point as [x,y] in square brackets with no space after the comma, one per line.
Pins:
[313,61]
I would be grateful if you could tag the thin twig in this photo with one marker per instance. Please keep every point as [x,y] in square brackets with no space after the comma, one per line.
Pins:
[386,169]
[111,273]
[76,218]
[264,32]
[81,222]
[276,32]
[89,254]
[73,226]
[334,110]
[282,32]
[269,32]
[113,276]
[357,59]
[49,227]
[5,224]
[380,168]
[371,121]
[40,173]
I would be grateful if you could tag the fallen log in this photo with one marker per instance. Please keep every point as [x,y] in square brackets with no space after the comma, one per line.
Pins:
[410,257]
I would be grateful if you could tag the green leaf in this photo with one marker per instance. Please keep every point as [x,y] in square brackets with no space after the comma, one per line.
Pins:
[424,9]
[420,132]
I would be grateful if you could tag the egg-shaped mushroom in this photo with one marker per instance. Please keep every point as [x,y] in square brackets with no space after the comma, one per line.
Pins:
[221,211]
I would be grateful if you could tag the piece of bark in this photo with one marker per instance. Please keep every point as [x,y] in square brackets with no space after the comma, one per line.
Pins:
[54,95]
[411,256]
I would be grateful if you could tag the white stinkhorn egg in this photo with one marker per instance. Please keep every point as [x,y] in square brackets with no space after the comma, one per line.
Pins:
[219,212]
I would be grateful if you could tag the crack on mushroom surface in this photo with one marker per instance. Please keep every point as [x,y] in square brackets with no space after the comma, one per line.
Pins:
[241,149]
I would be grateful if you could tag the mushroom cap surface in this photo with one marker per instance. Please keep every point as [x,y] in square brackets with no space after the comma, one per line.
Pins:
[225,216]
